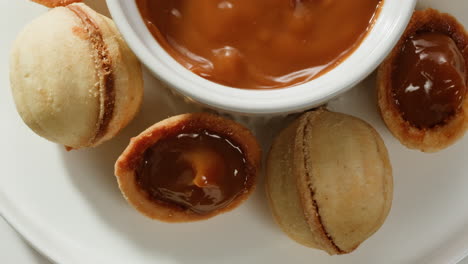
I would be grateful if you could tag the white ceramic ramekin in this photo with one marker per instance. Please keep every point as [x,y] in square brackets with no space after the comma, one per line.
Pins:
[388,28]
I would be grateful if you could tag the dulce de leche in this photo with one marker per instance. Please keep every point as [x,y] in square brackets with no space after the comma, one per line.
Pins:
[199,171]
[189,167]
[422,84]
[430,79]
[258,44]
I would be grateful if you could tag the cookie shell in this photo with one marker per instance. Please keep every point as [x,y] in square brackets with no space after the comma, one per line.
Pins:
[129,161]
[425,139]
[74,80]
[329,181]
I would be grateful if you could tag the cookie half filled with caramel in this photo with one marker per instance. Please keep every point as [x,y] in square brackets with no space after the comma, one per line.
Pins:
[189,167]
[422,85]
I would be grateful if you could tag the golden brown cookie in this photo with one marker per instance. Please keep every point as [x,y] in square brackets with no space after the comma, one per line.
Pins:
[74,79]
[422,83]
[189,167]
[329,181]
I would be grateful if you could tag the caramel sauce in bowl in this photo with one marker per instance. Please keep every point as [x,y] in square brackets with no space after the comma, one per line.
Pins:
[236,43]
[385,31]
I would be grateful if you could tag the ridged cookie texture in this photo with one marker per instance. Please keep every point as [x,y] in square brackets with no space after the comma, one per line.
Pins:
[329,181]
[73,78]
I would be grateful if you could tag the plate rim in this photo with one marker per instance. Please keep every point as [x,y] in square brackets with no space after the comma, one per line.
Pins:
[30,232]
[24,231]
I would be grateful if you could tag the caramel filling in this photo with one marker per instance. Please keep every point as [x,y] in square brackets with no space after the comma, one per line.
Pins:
[55,3]
[257,44]
[429,79]
[201,172]
[104,71]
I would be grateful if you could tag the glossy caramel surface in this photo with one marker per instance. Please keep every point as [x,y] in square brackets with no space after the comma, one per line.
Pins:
[429,79]
[259,44]
[199,171]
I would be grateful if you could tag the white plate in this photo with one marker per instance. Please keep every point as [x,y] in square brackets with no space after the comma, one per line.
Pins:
[16,250]
[68,206]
